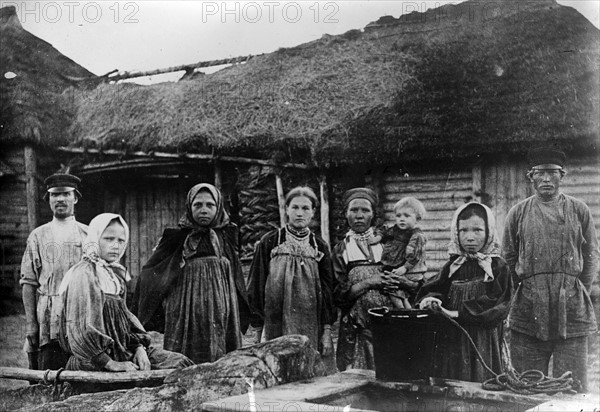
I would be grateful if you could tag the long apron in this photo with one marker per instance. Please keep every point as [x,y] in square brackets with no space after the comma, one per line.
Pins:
[293,298]
[202,317]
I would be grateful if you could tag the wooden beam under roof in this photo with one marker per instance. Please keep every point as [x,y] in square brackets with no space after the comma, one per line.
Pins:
[181,157]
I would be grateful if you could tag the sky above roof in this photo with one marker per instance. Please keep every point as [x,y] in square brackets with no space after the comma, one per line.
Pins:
[145,35]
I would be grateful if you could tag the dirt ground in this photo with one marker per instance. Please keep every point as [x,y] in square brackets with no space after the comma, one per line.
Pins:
[12,331]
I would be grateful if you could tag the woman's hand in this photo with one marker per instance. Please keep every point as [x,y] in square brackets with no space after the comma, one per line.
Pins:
[428,302]
[114,366]
[377,281]
[141,359]
[326,341]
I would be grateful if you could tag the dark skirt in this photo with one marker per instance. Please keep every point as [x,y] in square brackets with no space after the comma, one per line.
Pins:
[455,357]
[202,316]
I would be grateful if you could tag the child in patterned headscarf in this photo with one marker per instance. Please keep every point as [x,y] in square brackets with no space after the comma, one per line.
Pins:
[474,287]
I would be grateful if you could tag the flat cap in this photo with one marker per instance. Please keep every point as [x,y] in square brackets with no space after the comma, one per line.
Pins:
[62,182]
[545,156]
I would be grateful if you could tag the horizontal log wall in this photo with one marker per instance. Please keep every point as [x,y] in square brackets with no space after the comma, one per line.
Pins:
[583,182]
[441,193]
[499,183]
[14,221]
[506,184]
[14,227]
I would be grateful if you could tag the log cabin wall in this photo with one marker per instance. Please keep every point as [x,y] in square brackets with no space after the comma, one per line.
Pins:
[148,206]
[441,193]
[14,226]
[16,215]
[583,182]
[505,184]
[500,183]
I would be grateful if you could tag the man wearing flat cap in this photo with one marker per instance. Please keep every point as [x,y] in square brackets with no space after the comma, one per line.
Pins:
[51,250]
[551,248]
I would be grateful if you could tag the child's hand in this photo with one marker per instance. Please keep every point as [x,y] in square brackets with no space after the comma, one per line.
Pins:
[401,271]
[141,359]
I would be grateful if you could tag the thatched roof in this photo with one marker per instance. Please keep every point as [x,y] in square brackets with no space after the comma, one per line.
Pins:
[460,80]
[31,108]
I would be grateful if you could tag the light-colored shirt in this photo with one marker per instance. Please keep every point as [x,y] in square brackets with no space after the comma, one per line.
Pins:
[551,248]
[51,250]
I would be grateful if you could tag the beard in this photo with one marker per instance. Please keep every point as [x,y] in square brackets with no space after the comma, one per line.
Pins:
[62,213]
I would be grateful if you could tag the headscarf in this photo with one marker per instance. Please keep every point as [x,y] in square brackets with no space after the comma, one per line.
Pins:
[361,239]
[187,221]
[490,249]
[221,217]
[361,193]
[91,248]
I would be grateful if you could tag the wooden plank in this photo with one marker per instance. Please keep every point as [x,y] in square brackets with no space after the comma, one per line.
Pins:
[324,209]
[391,177]
[84,376]
[430,219]
[477,182]
[12,227]
[13,157]
[454,196]
[194,156]
[419,187]
[30,159]
[218,175]
[280,199]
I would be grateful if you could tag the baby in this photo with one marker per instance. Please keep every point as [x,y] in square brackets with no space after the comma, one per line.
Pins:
[404,251]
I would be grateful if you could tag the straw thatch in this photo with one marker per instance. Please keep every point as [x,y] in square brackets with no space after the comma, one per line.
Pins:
[463,80]
[31,109]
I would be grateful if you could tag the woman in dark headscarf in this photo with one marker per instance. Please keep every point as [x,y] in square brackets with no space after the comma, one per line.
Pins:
[359,281]
[192,287]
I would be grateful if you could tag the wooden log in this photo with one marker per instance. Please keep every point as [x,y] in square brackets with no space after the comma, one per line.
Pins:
[477,183]
[436,196]
[218,175]
[164,155]
[324,209]
[391,177]
[186,67]
[84,376]
[32,189]
[280,199]
[434,186]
